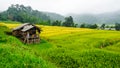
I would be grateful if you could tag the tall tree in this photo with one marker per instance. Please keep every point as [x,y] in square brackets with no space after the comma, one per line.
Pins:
[102,26]
[68,22]
[117,26]
[83,25]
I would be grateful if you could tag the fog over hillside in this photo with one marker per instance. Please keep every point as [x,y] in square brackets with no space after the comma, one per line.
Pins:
[54,16]
[83,11]
[64,7]
[108,18]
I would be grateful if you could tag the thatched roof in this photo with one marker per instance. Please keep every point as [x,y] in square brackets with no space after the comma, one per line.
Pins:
[21,26]
[26,26]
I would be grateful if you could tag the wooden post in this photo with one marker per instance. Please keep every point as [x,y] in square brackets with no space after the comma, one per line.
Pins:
[28,37]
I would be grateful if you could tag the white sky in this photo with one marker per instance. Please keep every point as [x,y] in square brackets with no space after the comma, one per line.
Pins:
[66,6]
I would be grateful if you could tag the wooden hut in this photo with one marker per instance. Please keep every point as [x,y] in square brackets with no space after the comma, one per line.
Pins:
[27,33]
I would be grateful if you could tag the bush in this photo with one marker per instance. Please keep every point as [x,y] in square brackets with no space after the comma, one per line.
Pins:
[92,26]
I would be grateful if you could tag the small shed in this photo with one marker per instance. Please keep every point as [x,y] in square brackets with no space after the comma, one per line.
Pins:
[27,33]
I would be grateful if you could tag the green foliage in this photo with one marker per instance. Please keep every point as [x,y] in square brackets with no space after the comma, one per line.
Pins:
[11,22]
[117,26]
[56,23]
[102,26]
[75,25]
[107,26]
[92,26]
[3,16]
[23,14]
[68,22]
[48,22]
[82,25]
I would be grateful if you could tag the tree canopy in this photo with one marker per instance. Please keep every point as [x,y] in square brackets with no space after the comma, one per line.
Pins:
[23,14]
[117,26]
[92,26]
[68,22]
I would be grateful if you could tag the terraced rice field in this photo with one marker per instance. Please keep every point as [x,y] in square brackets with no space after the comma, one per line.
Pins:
[67,47]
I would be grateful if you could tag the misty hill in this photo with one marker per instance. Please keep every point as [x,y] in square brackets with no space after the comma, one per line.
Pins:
[23,14]
[108,18]
[54,16]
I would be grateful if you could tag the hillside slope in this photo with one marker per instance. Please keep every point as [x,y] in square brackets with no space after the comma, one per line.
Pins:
[54,16]
[107,18]
[63,47]
[14,54]
[24,14]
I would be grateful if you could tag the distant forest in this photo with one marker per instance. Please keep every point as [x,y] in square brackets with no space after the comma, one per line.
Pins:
[107,18]
[25,14]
